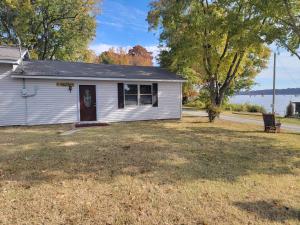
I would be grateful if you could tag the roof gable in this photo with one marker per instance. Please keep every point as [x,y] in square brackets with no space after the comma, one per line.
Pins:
[88,71]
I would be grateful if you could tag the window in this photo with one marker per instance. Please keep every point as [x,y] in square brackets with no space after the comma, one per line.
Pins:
[145,94]
[131,94]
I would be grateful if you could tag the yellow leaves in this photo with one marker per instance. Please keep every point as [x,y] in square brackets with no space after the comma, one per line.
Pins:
[33,54]
[11,3]
[17,4]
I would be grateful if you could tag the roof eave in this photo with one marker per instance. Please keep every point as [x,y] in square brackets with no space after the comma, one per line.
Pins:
[96,78]
[14,62]
[9,62]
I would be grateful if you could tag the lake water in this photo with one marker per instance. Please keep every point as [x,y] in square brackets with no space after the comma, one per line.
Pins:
[281,102]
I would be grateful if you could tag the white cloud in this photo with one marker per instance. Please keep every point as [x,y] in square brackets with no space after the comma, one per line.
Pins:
[155,52]
[113,24]
[99,48]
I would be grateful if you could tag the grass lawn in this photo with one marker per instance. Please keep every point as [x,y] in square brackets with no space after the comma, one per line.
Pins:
[168,172]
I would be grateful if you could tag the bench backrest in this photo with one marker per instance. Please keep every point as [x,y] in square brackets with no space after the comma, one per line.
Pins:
[269,120]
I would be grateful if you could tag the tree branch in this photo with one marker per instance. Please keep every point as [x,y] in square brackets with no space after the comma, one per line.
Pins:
[231,72]
[294,52]
[223,55]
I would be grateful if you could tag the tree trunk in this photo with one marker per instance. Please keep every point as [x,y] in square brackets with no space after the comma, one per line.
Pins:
[213,113]
[214,109]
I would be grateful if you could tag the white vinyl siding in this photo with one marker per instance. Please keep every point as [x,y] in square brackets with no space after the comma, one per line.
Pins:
[11,103]
[169,104]
[52,104]
[55,104]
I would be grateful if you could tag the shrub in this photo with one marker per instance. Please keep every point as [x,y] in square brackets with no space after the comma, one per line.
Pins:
[213,112]
[196,104]
[245,108]
[255,108]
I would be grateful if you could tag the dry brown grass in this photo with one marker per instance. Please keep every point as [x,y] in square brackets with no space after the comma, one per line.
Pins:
[165,172]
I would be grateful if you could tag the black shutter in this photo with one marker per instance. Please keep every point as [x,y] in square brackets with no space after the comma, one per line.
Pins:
[155,95]
[120,95]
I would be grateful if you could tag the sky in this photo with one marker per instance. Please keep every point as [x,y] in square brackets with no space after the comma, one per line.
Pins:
[122,23]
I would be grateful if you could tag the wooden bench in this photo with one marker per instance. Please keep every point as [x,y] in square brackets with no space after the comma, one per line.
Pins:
[270,123]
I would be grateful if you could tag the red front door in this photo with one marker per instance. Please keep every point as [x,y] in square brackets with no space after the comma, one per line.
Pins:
[88,110]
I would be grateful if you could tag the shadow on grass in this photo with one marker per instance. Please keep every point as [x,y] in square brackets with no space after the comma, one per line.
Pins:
[198,121]
[272,210]
[162,152]
[271,133]
[196,116]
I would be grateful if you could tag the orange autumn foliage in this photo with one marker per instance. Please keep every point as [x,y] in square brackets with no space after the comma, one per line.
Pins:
[137,56]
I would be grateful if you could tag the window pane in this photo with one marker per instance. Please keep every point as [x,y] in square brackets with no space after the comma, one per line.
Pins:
[146,99]
[131,89]
[131,100]
[145,89]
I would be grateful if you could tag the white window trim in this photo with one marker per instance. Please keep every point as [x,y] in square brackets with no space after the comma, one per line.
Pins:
[138,96]
[138,91]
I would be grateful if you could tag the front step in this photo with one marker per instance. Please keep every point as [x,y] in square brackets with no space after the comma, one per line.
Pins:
[88,124]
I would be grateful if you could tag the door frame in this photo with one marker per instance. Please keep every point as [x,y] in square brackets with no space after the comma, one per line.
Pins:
[78,102]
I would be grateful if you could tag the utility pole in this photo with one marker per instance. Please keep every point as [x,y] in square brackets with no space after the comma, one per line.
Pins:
[274,84]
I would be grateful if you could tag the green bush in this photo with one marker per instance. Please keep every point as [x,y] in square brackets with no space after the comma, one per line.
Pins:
[199,104]
[196,104]
[244,108]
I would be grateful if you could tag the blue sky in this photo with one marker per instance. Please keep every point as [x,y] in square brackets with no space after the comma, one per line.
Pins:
[122,23]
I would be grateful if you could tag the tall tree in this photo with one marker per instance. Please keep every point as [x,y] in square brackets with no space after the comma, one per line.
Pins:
[137,56]
[88,56]
[114,56]
[219,41]
[50,29]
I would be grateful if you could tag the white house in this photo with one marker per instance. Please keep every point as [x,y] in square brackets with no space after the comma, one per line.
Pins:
[53,92]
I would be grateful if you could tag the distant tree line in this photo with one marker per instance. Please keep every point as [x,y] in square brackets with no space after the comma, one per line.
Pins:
[136,56]
[287,91]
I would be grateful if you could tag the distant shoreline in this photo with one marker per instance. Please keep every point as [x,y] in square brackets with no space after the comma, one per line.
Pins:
[288,91]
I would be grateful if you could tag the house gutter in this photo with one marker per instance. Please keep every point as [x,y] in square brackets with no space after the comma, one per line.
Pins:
[96,79]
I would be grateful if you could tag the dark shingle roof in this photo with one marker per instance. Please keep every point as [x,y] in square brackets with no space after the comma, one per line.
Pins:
[10,54]
[68,70]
